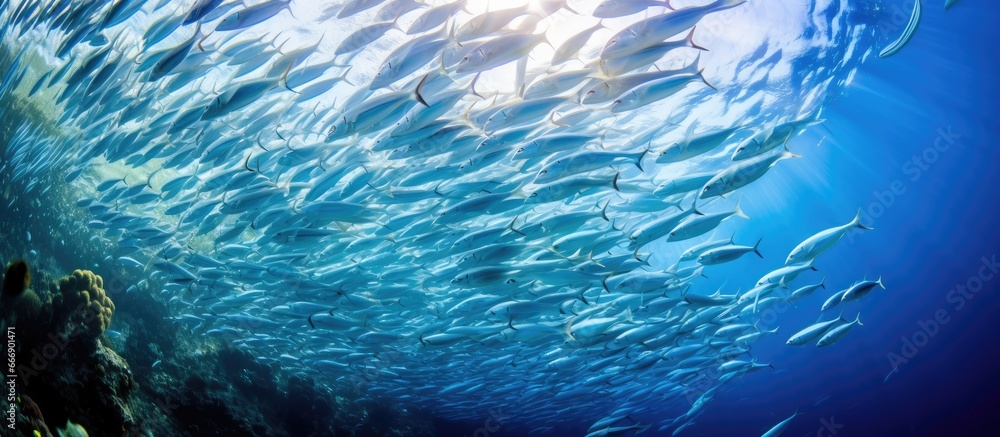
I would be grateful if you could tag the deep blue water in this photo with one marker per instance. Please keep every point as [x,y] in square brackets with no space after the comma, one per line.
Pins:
[912,142]
[928,240]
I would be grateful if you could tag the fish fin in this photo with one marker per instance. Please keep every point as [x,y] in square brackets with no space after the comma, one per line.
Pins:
[552,119]
[451,33]
[615,227]
[879,282]
[891,372]
[701,75]
[857,222]
[638,161]
[520,76]
[566,6]
[857,319]
[689,40]
[472,86]
[420,87]
[738,211]
[514,230]
[755,248]
[614,182]
[569,324]
[635,254]
[788,154]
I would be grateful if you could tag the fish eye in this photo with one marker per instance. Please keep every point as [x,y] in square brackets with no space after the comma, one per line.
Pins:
[617,102]
[520,149]
[534,194]
[708,187]
[543,172]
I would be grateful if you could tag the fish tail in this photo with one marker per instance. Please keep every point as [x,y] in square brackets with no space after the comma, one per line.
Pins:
[284,80]
[288,5]
[822,283]
[689,40]
[726,4]
[420,87]
[472,86]
[635,254]
[739,211]
[552,119]
[879,282]
[788,153]
[513,229]
[858,320]
[857,222]
[755,248]
[569,324]
[343,77]
[701,74]
[694,67]
[638,161]
[567,7]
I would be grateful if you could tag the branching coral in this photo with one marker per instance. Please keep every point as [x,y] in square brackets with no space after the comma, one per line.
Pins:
[83,304]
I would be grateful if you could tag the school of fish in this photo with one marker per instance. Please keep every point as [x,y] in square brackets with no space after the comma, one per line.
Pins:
[407,227]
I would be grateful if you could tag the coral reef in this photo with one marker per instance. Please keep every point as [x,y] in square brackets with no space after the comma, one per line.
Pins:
[29,418]
[62,369]
[180,382]
[81,305]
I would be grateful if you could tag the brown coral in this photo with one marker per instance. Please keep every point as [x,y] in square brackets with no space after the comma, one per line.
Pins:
[83,303]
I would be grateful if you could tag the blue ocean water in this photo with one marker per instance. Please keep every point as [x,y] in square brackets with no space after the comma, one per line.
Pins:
[931,237]
[910,140]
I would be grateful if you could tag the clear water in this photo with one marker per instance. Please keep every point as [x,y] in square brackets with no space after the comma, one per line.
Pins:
[770,62]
